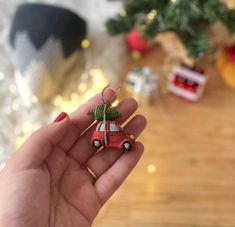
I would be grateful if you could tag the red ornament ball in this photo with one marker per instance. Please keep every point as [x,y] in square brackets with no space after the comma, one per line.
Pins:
[136,42]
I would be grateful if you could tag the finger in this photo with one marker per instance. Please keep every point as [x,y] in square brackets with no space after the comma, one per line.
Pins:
[110,181]
[41,143]
[83,150]
[102,161]
[80,119]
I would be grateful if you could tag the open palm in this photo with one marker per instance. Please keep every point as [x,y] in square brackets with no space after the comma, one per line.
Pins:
[46,184]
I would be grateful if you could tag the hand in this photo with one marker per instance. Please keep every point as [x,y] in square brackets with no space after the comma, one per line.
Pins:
[45,183]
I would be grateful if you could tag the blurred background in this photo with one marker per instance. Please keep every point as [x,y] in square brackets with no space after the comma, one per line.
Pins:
[176,57]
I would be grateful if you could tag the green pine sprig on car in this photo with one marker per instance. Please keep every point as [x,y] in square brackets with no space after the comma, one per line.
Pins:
[110,113]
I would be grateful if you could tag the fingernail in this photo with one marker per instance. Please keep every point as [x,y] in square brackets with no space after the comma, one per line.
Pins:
[112,94]
[62,116]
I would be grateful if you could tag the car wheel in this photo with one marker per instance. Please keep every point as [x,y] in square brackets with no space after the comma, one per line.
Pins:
[97,143]
[127,146]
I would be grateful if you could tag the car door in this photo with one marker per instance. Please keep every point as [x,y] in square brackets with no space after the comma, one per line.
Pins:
[115,135]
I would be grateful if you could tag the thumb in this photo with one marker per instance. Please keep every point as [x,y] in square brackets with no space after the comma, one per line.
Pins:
[40,144]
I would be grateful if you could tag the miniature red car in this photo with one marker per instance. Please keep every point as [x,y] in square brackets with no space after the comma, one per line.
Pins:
[116,137]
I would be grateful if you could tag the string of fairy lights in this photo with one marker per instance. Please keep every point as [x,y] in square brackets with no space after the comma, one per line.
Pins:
[60,103]
[32,114]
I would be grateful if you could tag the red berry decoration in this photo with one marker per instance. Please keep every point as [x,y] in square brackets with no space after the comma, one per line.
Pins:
[108,132]
[136,42]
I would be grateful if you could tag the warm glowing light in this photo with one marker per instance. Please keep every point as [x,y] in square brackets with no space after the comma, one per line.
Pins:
[85,43]
[152,14]
[97,83]
[68,105]
[173,1]
[57,101]
[115,103]
[89,95]
[96,72]
[136,55]
[1,76]
[151,168]
[74,96]
[27,127]
[123,13]
[34,99]
[230,4]
[19,141]
[99,79]
[82,87]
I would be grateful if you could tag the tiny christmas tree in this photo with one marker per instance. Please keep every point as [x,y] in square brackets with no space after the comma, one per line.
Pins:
[110,113]
[188,19]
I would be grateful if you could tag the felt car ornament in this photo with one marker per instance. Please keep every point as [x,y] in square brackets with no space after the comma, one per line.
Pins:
[187,82]
[108,132]
[116,137]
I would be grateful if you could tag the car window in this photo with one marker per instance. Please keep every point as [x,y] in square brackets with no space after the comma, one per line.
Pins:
[113,128]
[102,127]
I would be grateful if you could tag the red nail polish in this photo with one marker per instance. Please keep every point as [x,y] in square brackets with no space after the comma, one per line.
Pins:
[62,116]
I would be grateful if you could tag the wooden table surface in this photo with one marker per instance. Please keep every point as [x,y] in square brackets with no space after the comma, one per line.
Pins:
[192,147]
